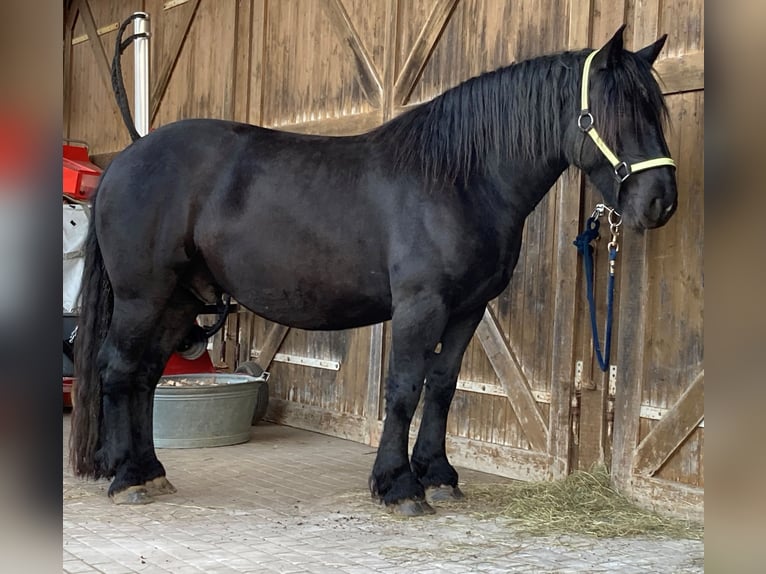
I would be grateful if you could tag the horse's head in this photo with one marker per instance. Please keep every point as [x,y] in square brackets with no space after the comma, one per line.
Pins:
[619,141]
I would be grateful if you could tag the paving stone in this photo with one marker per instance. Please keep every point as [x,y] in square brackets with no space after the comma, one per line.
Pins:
[291,501]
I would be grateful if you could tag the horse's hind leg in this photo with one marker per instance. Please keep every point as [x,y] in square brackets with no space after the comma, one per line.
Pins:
[429,457]
[176,320]
[416,325]
[142,335]
[119,359]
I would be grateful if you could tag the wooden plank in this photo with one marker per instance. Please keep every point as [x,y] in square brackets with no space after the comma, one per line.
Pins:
[368,75]
[645,24]
[568,199]
[68,31]
[271,345]
[669,498]
[508,370]
[356,124]
[631,337]
[71,15]
[374,381]
[102,62]
[684,73]
[245,336]
[672,430]
[290,413]
[243,60]
[231,341]
[389,71]
[631,329]
[421,51]
[163,79]
[564,322]
[507,461]
[231,29]
[580,14]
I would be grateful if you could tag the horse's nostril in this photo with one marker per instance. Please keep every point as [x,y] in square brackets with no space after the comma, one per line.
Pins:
[668,209]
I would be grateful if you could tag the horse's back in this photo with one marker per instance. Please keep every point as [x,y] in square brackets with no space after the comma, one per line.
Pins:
[286,223]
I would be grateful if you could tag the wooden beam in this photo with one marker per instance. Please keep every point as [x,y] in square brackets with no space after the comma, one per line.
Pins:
[516,386]
[389,67]
[163,79]
[71,15]
[244,335]
[568,199]
[368,75]
[503,460]
[102,62]
[271,344]
[374,381]
[68,32]
[669,498]
[421,51]
[500,459]
[243,61]
[231,341]
[684,73]
[346,125]
[631,328]
[672,429]
[631,344]
[580,16]
[344,425]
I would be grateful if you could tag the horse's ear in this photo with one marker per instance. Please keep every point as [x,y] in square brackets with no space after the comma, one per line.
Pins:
[611,52]
[650,53]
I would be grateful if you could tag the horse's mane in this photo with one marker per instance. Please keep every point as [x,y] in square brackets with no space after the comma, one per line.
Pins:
[517,110]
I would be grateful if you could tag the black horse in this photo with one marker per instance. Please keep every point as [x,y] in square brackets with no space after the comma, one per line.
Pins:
[418,221]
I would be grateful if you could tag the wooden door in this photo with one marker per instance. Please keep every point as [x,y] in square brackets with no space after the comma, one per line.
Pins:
[644,417]
[530,403]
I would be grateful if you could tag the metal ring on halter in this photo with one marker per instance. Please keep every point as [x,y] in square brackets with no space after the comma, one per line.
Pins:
[585,114]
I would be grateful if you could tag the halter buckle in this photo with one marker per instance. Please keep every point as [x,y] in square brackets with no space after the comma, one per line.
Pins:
[588,117]
[622,171]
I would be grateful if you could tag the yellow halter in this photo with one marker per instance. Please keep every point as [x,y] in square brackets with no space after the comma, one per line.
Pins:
[622,170]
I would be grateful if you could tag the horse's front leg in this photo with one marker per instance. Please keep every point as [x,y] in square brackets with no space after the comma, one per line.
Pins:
[416,326]
[429,457]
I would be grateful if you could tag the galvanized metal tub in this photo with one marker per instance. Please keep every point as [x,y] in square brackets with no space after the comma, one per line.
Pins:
[204,410]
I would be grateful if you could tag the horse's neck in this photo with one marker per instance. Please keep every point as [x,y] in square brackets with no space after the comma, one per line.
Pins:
[522,184]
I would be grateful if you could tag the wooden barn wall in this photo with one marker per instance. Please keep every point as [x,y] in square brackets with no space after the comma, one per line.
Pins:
[532,402]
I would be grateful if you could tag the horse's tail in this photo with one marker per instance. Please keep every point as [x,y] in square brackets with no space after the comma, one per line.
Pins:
[96,306]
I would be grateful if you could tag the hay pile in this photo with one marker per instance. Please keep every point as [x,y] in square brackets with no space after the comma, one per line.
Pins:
[584,503]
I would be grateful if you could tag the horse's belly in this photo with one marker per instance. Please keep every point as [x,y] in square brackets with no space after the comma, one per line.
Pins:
[319,306]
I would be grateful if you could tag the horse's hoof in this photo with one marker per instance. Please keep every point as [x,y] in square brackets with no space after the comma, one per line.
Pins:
[159,486]
[132,495]
[443,493]
[411,508]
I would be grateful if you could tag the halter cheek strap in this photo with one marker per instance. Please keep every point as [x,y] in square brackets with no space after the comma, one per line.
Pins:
[585,122]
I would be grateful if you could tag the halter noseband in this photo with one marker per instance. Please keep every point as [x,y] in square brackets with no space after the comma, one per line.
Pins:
[585,122]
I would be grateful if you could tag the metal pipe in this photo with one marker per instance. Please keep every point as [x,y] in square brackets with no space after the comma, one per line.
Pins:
[141,72]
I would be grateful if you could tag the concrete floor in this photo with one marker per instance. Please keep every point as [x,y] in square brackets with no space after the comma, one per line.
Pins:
[292,501]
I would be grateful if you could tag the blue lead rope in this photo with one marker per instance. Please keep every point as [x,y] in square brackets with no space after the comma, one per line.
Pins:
[583,244]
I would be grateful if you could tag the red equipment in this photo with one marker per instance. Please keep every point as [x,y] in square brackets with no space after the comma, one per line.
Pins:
[80,175]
